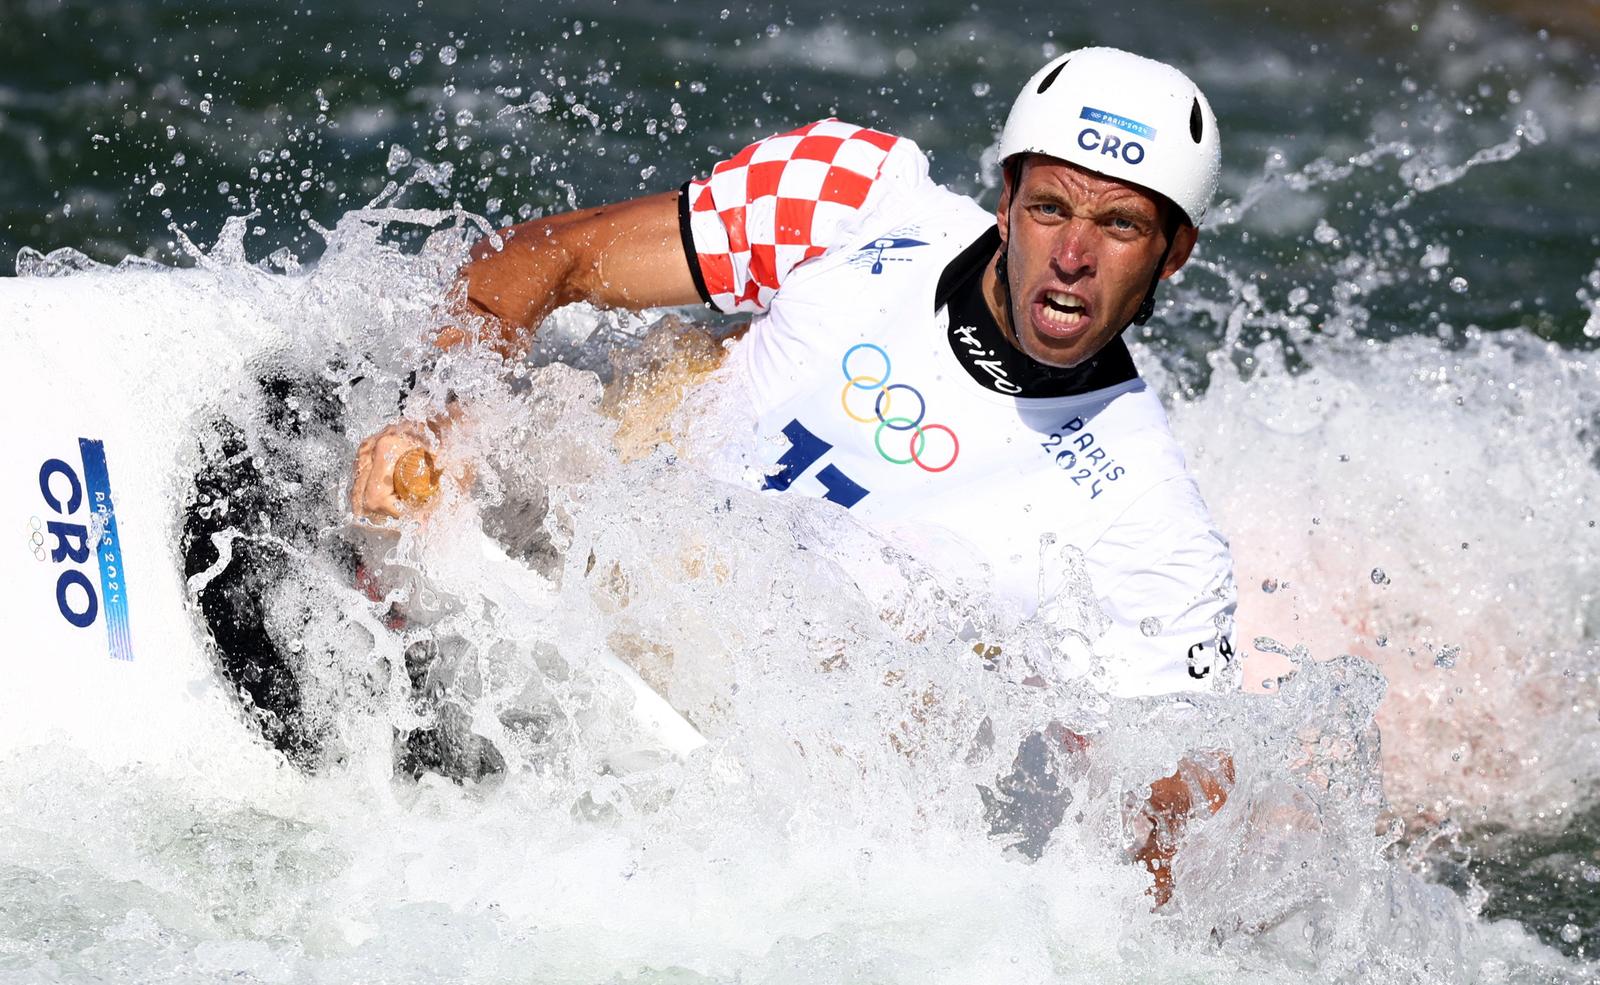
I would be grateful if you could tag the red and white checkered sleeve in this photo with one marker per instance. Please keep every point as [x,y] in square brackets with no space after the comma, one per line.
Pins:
[784,200]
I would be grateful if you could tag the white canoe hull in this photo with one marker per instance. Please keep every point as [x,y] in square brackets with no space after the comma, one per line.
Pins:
[108,655]
[108,371]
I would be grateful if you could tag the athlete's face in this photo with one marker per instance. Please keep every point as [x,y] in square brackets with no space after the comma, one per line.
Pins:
[1080,251]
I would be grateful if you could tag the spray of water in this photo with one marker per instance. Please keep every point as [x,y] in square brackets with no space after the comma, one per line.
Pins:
[884,794]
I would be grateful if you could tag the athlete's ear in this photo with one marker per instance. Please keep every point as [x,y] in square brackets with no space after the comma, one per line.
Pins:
[1183,241]
[1003,210]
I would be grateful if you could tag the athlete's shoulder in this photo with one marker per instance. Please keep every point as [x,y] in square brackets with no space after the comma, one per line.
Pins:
[787,199]
[1166,524]
[828,160]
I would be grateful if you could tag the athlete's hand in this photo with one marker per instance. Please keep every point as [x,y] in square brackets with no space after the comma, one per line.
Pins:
[373,495]
[1201,783]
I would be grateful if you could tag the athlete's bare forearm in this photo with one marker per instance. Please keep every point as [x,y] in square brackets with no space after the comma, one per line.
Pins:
[628,255]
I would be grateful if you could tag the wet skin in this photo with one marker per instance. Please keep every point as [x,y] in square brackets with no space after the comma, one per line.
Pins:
[1081,249]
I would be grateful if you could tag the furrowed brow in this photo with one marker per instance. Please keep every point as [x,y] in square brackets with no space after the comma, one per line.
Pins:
[1044,194]
[1130,213]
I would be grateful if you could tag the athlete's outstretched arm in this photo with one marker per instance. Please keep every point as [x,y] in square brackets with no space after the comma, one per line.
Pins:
[628,255]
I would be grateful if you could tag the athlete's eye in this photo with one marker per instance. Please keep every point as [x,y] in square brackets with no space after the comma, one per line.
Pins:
[1047,208]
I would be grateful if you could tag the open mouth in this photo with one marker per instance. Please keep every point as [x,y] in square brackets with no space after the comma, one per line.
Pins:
[1062,311]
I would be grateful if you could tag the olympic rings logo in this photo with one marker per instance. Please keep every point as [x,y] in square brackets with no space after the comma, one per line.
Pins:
[36,537]
[886,419]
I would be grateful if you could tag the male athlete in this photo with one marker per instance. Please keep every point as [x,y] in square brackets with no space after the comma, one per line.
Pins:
[936,367]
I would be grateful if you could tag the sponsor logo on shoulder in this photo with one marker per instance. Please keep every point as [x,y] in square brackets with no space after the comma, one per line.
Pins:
[82,537]
[875,253]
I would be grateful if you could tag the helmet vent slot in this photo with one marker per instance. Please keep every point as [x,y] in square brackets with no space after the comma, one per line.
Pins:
[1048,80]
[1197,123]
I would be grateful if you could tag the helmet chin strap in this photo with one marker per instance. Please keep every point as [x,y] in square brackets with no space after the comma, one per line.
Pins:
[1148,307]
[1000,271]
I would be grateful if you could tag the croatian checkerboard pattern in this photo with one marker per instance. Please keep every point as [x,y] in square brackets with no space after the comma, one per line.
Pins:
[776,204]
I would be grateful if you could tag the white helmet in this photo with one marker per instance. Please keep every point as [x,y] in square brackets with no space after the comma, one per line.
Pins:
[1124,116]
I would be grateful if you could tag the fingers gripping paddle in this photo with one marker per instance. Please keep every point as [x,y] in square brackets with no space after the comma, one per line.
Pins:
[416,480]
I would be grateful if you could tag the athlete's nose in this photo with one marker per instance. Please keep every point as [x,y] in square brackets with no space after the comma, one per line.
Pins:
[1074,253]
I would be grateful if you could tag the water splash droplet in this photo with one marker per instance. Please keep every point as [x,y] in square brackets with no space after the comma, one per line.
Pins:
[1446,657]
[1379,577]
[1269,585]
[1150,626]
[1571,934]
[399,157]
[157,190]
[1458,284]
[447,54]
[464,118]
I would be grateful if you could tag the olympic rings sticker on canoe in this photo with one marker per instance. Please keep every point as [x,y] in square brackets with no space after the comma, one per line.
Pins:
[890,409]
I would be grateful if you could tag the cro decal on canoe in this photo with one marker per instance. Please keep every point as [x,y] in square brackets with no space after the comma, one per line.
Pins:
[74,539]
